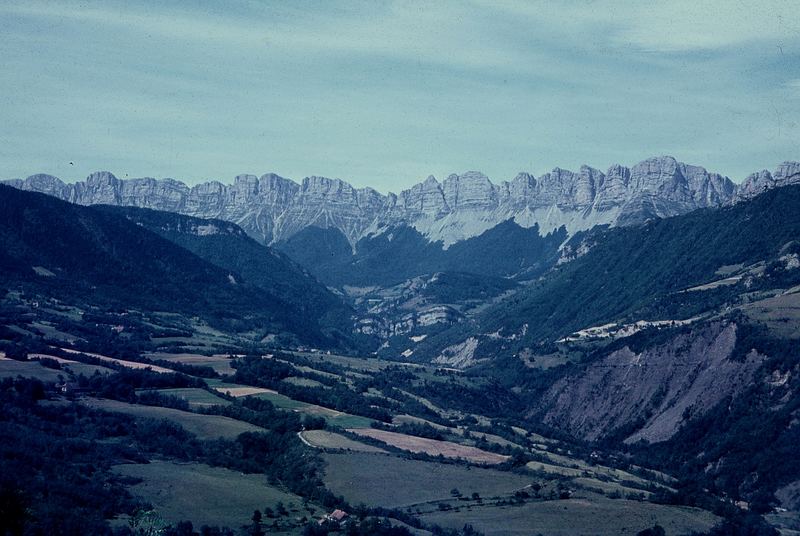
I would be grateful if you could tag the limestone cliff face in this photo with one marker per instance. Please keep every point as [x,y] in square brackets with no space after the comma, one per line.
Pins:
[761,181]
[272,208]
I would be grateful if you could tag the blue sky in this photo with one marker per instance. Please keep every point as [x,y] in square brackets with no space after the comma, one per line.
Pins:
[385,93]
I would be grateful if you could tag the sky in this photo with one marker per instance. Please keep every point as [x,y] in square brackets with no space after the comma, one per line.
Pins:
[383,93]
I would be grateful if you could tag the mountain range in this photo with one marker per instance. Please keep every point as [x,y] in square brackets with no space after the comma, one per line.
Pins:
[673,340]
[273,209]
[120,258]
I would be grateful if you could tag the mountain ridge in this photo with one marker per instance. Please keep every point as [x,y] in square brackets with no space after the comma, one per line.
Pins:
[114,257]
[272,208]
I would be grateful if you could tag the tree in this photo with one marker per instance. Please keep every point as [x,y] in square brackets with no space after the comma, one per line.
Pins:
[281,509]
[656,530]
[13,511]
[147,523]
[256,528]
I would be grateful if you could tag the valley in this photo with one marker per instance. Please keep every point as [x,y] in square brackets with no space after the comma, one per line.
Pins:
[399,268]
[448,483]
[609,380]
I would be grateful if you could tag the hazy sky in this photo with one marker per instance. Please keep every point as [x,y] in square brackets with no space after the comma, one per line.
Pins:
[386,93]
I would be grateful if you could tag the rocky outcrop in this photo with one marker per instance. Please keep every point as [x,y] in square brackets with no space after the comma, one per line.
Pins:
[651,393]
[757,183]
[459,356]
[385,326]
[272,208]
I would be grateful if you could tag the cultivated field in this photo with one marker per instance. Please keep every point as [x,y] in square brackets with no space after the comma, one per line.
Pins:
[122,362]
[236,390]
[331,416]
[243,390]
[599,516]
[10,368]
[75,367]
[329,440]
[50,332]
[560,465]
[491,438]
[607,486]
[219,362]
[365,364]
[780,313]
[206,495]
[384,480]
[196,397]
[303,382]
[203,426]
[432,447]
[551,469]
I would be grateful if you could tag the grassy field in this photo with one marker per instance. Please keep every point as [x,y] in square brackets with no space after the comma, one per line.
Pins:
[780,313]
[281,401]
[384,480]
[219,362]
[303,368]
[87,369]
[236,390]
[491,438]
[372,364]
[124,363]
[607,487]
[329,440]
[433,447]
[196,398]
[788,523]
[206,495]
[350,422]
[51,333]
[575,517]
[556,470]
[204,426]
[574,467]
[10,368]
[331,416]
[75,367]
[303,382]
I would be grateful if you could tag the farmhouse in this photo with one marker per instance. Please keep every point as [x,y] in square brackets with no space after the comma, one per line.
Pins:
[71,388]
[339,517]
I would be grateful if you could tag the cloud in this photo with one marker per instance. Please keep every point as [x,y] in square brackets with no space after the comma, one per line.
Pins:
[383,93]
[669,26]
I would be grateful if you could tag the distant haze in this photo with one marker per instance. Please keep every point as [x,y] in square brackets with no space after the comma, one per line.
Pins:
[383,94]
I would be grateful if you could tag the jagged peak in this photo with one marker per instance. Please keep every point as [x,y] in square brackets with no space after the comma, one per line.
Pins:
[473,176]
[430,181]
[274,176]
[559,170]
[325,185]
[659,159]
[787,168]
[101,177]
[43,178]
[588,171]
[273,207]
[617,169]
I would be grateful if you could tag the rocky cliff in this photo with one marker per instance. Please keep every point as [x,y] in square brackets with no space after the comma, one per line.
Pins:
[272,208]
[786,174]
[650,393]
